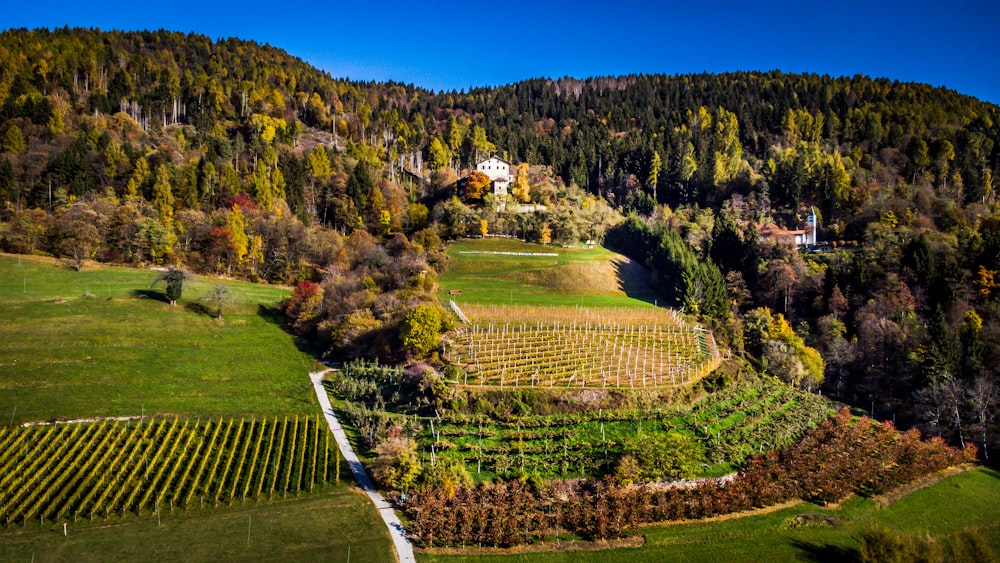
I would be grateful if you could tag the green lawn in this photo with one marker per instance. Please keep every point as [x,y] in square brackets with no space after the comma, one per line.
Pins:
[320,527]
[577,276]
[101,343]
[964,501]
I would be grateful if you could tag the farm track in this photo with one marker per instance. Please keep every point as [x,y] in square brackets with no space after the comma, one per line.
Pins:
[402,544]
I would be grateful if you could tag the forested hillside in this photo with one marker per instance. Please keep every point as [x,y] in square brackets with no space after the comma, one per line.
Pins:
[234,158]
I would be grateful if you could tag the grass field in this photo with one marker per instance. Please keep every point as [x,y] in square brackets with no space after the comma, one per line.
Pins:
[101,343]
[577,276]
[964,501]
[340,525]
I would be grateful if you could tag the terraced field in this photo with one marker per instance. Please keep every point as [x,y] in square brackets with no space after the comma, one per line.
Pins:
[572,346]
[731,425]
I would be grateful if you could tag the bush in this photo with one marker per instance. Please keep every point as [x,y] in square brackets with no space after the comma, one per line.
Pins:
[448,477]
[397,465]
[665,456]
[881,545]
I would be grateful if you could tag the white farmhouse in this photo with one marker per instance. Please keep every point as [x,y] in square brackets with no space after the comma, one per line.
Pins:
[800,238]
[498,170]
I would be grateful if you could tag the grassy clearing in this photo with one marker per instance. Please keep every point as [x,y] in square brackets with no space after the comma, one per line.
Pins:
[577,276]
[970,500]
[320,527]
[102,343]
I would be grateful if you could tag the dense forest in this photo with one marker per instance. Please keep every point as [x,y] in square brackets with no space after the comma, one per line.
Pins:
[233,158]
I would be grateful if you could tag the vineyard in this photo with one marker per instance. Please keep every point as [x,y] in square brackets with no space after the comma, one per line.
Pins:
[758,414]
[732,425]
[614,347]
[113,468]
[754,417]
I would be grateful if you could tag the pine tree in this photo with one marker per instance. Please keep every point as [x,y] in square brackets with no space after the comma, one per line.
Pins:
[163,196]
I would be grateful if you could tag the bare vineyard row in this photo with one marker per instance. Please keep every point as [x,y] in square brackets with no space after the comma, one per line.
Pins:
[574,315]
[581,347]
[83,470]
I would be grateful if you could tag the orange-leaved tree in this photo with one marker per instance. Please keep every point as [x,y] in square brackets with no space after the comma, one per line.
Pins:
[476,185]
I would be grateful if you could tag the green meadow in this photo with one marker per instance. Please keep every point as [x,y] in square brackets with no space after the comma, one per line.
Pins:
[340,525]
[588,276]
[102,342]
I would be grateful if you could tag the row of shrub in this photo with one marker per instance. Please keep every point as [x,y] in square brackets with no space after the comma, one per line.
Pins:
[841,456]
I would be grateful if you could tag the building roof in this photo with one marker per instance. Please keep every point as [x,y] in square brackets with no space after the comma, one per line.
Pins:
[773,231]
[494,157]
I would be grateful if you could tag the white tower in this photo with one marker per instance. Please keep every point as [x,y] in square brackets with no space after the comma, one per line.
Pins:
[812,224]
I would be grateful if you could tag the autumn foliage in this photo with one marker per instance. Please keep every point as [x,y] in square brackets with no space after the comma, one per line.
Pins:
[477,185]
[303,306]
[841,456]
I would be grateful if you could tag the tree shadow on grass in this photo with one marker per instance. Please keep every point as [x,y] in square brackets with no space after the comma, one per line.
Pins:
[199,308]
[636,281]
[992,467]
[150,294]
[272,314]
[825,553]
[276,316]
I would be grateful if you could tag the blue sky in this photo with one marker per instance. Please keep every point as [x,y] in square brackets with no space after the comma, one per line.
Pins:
[455,45]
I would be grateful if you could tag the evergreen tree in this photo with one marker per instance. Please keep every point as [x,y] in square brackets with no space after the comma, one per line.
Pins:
[163,196]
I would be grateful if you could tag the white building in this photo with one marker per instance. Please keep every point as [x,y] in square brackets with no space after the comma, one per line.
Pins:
[800,238]
[498,170]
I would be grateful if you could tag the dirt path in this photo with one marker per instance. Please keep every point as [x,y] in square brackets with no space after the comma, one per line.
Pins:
[404,549]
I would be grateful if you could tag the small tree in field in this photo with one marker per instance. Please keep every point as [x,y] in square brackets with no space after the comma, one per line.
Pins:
[174,279]
[220,296]
[546,234]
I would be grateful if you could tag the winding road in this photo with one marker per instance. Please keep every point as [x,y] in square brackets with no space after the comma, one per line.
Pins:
[404,549]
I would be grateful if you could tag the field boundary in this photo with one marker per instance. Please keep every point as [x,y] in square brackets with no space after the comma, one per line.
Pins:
[630,542]
[458,311]
[82,420]
[903,491]
[506,253]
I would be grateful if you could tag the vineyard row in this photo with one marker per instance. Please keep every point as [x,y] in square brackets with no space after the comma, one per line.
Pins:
[583,356]
[102,469]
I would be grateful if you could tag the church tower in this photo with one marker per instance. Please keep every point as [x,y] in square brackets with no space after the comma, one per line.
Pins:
[812,225]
